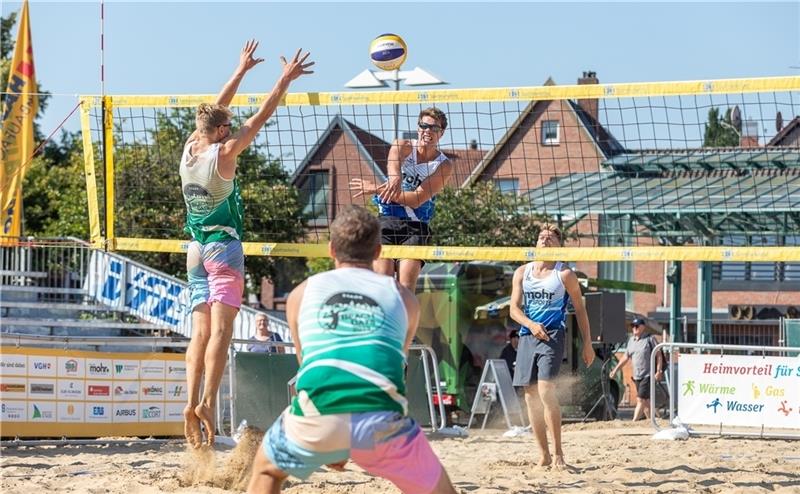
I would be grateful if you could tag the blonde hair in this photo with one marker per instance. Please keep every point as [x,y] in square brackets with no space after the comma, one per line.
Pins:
[553,228]
[209,117]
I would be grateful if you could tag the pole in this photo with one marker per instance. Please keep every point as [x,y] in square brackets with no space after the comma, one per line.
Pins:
[396,106]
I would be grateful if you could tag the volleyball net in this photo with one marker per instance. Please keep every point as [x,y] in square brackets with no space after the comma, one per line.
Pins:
[699,170]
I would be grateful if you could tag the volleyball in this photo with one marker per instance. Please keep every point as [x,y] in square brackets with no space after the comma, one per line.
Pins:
[388,51]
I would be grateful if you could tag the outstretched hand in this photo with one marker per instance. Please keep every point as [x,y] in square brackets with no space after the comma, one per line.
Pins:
[246,59]
[298,66]
[361,187]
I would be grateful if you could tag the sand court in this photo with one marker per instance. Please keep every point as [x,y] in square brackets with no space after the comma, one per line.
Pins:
[604,457]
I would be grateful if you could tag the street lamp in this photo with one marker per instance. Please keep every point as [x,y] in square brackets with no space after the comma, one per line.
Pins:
[378,78]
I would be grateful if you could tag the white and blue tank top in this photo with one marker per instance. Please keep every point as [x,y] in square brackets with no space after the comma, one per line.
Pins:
[413,175]
[545,301]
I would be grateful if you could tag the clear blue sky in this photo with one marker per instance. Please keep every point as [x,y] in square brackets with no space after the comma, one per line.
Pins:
[192,47]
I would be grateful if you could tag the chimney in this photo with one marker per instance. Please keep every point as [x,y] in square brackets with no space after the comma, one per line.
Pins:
[749,135]
[590,106]
[267,293]
[473,144]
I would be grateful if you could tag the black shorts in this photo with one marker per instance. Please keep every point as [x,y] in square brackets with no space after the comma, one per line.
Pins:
[531,367]
[643,388]
[400,231]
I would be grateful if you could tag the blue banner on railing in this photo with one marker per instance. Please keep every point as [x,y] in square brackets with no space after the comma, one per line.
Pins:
[151,296]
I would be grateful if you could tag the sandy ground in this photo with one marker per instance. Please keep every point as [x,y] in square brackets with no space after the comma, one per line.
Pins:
[610,457]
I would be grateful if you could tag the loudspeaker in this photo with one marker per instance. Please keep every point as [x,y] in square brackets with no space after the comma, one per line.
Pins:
[606,313]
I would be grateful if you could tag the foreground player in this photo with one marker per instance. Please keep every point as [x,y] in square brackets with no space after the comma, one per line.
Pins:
[214,217]
[352,329]
[540,293]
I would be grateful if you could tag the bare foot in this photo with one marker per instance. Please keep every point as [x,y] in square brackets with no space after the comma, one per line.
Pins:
[559,463]
[191,427]
[205,415]
[545,460]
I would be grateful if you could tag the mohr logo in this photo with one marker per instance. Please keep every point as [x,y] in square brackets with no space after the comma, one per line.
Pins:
[99,369]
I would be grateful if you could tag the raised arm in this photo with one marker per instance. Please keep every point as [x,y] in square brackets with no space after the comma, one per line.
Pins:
[570,280]
[246,62]
[239,141]
[292,313]
[399,151]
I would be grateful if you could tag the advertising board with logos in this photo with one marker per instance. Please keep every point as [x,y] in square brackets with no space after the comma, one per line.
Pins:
[68,393]
[739,390]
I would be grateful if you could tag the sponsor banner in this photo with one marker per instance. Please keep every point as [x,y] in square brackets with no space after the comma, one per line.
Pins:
[70,411]
[176,391]
[739,390]
[99,368]
[152,369]
[126,369]
[75,393]
[13,365]
[98,390]
[176,370]
[152,412]
[13,387]
[70,389]
[98,412]
[42,366]
[14,411]
[126,391]
[39,389]
[71,367]
[152,391]
[42,411]
[173,412]
[124,412]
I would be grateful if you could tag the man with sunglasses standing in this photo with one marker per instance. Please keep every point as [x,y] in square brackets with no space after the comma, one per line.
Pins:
[640,348]
[417,171]
[214,218]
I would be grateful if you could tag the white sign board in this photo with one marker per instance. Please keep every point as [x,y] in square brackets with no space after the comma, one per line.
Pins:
[739,390]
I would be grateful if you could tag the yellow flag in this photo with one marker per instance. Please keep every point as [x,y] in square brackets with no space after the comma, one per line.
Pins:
[16,134]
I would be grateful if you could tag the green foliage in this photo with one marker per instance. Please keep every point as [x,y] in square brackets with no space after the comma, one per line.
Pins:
[149,203]
[316,265]
[719,130]
[481,215]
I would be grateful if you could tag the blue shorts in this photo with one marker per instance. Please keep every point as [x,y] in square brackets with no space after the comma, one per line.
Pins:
[385,444]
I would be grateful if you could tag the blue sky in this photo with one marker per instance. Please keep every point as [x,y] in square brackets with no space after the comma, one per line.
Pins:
[192,47]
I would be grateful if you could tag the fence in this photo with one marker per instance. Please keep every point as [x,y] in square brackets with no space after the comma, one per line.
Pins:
[67,270]
[760,386]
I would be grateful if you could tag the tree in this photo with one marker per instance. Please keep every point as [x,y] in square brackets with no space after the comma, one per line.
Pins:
[720,132]
[482,215]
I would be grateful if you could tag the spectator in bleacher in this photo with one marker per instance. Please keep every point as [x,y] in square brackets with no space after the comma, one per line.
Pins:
[264,334]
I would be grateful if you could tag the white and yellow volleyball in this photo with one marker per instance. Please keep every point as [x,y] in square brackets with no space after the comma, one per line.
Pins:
[388,51]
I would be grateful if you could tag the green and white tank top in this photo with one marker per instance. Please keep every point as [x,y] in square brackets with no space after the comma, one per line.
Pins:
[352,325]
[214,209]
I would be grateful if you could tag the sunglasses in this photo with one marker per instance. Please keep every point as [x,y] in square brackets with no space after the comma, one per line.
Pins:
[225,125]
[426,126]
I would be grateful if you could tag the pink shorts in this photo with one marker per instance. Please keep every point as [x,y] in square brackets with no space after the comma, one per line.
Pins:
[385,444]
[216,273]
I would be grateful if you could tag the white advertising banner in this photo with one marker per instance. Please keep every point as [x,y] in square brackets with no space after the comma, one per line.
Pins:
[70,393]
[739,390]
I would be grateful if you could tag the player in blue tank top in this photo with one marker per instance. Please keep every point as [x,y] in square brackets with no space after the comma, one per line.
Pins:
[540,292]
[417,171]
